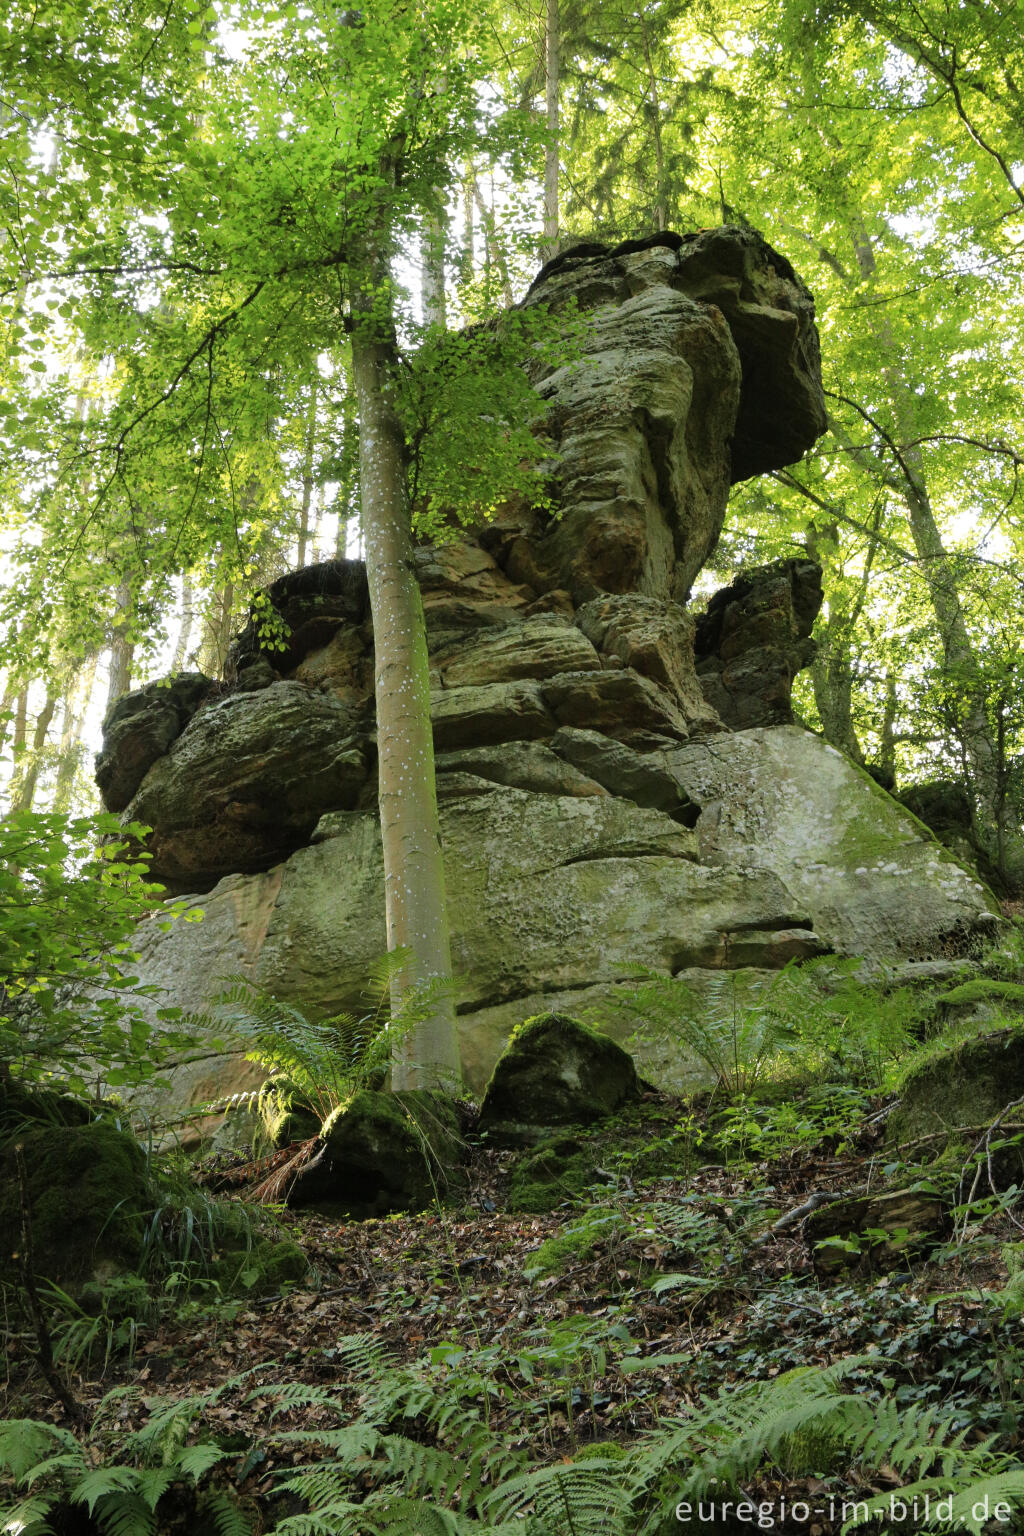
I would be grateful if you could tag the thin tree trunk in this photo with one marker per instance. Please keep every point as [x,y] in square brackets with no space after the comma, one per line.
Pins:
[307,475]
[552,68]
[23,786]
[435,309]
[661,199]
[494,252]
[218,626]
[69,755]
[188,614]
[467,257]
[122,649]
[427,1056]
[909,480]
[887,734]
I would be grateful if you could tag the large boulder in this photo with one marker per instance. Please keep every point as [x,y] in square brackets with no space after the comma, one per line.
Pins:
[873,881]
[247,782]
[140,728]
[89,1195]
[699,367]
[554,1072]
[383,1152]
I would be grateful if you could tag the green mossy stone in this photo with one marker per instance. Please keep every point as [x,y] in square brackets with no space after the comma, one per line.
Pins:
[555,1071]
[559,1170]
[384,1152]
[982,989]
[21,1105]
[268,1266]
[89,1195]
[965,1086]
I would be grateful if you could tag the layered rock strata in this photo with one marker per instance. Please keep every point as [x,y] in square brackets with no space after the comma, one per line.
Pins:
[610,805]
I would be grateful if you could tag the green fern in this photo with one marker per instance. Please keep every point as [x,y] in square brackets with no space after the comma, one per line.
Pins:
[584,1498]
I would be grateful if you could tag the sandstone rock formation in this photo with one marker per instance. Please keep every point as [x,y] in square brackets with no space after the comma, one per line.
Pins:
[753,640]
[608,805]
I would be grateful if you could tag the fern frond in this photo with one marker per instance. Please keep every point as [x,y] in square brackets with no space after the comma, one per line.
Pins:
[297,1394]
[125,1515]
[28,1516]
[71,1463]
[195,1460]
[102,1483]
[352,1445]
[587,1498]
[229,1519]
[341,1518]
[24,1443]
[961,1513]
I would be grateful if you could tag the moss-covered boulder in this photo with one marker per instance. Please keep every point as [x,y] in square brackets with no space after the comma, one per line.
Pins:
[22,1106]
[961,1091]
[383,1152]
[264,1267]
[88,1192]
[555,1071]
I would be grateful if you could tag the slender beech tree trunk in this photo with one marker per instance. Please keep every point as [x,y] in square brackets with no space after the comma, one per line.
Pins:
[69,753]
[494,252]
[654,107]
[307,476]
[23,786]
[122,649]
[435,308]
[552,67]
[188,614]
[960,662]
[428,1057]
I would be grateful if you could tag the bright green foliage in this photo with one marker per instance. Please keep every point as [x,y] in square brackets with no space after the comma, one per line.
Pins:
[458,1477]
[472,417]
[71,895]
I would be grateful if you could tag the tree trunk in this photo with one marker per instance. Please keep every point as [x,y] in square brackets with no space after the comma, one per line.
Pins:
[307,476]
[427,1056]
[218,624]
[69,753]
[188,614]
[551,74]
[23,785]
[435,309]
[122,649]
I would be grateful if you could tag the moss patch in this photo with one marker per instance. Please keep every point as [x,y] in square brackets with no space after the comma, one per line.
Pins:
[267,1266]
[559,1170]
[967,1085]
[89,1193]
[986,990]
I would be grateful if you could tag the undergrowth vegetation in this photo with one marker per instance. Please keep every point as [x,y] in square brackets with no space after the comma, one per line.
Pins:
[635,1315]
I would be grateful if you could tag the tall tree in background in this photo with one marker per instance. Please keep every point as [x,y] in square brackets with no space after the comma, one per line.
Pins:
[325,143]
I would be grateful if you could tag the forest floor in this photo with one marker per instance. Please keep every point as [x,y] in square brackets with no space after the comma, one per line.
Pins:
[591,1323]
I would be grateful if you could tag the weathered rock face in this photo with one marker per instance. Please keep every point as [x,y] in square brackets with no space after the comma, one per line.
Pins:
[140,728]
[754,639]
[872,881]
[700,368]
[248,781]
[600,818]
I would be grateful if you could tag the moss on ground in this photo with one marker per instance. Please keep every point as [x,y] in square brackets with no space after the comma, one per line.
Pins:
[384,1152]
